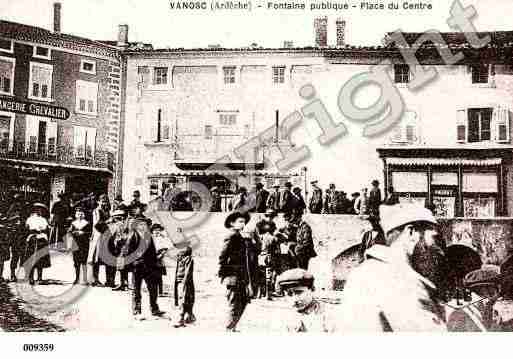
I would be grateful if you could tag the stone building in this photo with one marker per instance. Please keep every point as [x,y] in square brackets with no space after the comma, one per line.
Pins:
[60,113]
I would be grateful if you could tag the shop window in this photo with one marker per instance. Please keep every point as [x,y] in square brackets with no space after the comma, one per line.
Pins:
[87,97]
[401,74]
[41,135]
[479,73]
[7,75]
[41,81]
[479,206]
[5,130]
[229,74]
[160,75]
[278,74]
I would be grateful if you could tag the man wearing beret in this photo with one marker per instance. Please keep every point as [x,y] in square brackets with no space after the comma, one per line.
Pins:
[309,315]
[234,268]
[386,293]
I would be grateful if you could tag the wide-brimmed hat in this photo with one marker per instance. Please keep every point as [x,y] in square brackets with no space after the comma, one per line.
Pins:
[288,184]
[118,213]
[398,215]
[118,197]
[156,226]
[314,182]
[270,213]
[232,217]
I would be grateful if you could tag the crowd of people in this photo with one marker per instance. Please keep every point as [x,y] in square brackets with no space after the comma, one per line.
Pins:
[398,285]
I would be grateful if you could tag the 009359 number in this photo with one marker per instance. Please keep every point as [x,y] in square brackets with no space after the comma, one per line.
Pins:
[38,347]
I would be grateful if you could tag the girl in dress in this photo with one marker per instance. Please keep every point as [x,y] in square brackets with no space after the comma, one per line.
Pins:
[80,230]
[37,254]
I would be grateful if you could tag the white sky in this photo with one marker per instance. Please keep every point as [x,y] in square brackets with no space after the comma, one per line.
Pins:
[153,21]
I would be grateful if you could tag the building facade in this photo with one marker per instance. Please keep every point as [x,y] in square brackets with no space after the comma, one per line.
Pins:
[65,138]
[187,108]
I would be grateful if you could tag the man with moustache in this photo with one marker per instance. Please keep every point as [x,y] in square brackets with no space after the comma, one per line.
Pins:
[386,292]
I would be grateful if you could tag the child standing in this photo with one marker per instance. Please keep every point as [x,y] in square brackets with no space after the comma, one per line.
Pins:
[184,282]
[157,232]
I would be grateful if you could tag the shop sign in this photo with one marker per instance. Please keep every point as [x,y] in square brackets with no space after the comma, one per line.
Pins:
[33,108]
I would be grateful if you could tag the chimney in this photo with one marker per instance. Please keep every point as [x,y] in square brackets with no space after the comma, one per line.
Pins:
[341,32]
[288,44]
[321,31]
[123,36]
[57,17]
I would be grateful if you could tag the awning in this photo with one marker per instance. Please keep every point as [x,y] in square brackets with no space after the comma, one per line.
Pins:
[443,161]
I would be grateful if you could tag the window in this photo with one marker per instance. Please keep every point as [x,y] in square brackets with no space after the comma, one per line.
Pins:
[41,81]
[479,124]
[84,141]
[41,135]
[229,74]
[42,52]
[7,75]
[160,76]
[87,97]
[278,74]
[501,119]
[407,131]
[479,73]
[6,46]
[5,132]
[88,67]
[246,131]
[227,119]
[401,74]
[208,132]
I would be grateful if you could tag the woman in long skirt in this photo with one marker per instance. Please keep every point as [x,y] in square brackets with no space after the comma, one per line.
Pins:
[37,254]
[80,230]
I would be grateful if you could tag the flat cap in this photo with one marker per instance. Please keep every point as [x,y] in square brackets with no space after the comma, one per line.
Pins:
[295,278]
[405,213]
[118,213]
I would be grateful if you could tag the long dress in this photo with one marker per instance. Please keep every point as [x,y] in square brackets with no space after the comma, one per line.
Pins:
[81,233]
[37,243]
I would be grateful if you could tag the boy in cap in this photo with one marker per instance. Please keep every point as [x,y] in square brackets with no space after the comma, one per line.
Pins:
[267,259]
[234,269]
[310,314]
[386,293]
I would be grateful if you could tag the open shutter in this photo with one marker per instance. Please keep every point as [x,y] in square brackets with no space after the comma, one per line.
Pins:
[501,120]
[461,126]
[90,142]
[79,134]
[32,129]
[52,138]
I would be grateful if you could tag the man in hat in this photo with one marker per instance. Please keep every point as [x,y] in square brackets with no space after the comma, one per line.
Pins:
[374,198]
[119,203]
[216,199]
[361,204]
[119,244]
[59,215]
[304,249]
[330,202]
[273,201]
[298,200]
[286,198]
[184,281]
[386,293]
[171,195]
[144,265]
[267,259]
[261,198]
[315,205]
[310,315]
[234,269]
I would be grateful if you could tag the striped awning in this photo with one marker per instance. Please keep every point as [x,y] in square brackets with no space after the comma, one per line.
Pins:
[443,161]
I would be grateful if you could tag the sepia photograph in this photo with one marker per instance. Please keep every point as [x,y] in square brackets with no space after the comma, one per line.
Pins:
[263,168]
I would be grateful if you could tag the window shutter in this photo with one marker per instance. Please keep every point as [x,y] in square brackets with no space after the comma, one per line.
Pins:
[32,129]
[397,135]
[501,119]
[90,142]
[461,126]
[52,137]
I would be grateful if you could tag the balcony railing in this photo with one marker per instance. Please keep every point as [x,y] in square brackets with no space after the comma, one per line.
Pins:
[59,154]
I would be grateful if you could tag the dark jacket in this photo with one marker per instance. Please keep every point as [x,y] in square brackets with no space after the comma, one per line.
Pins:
[374,201]
[286,201]
[315,205]
[261,200]
[234,260]
[305,245]
[140,249]
[273,200]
